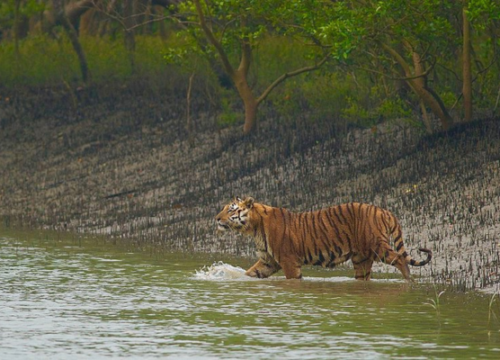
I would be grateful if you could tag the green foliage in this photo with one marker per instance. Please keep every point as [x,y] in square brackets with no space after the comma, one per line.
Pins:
[357,87]
[232,21]
[41,61]
[338,99]
[27,8]
[321,95]
[182,53]
[425,24]
[356,114]
[371,108]
[393,108]
[149,54]
[449,98]
[326,94]
[477,9]
[45,61]
[277,55]
[228,115]
[288,101]
[107,60]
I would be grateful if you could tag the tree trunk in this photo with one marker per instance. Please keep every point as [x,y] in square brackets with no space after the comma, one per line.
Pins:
[425,117]
[62,18]
[239,75]
[161,25]
[437,107]
[420,83]
[75,10]
[251,124]
[249,101]
[129,36]
[189,121]
[417,83]
[77,46]
[466,67]
[16,26]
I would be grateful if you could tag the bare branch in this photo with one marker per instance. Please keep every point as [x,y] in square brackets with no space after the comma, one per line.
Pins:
[406,78]
[76,9]
[109,11]
[211,38]
[289,75]
[401,61]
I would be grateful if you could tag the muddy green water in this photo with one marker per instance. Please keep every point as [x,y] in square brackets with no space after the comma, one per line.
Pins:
[68,299]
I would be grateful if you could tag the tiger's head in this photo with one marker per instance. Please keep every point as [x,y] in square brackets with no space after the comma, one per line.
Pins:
[235,215]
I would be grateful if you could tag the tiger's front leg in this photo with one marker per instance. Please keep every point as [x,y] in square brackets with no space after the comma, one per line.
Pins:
[263,269]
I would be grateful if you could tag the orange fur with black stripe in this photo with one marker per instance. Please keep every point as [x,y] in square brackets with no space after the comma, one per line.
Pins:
[358,232]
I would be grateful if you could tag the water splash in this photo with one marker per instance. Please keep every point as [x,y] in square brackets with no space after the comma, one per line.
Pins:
[220,271]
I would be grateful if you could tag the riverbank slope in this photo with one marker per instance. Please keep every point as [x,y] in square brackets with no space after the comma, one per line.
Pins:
[123,165]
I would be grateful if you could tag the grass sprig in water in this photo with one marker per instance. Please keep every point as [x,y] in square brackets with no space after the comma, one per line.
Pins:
[491,313]
[435,302]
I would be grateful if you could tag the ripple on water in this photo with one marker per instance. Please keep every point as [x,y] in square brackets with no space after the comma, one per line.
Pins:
[64,303]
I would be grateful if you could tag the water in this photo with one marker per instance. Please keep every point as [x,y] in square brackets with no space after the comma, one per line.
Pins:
[62,299]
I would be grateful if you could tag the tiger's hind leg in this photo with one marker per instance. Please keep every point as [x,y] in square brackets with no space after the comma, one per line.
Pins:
[388,256]
[362,267]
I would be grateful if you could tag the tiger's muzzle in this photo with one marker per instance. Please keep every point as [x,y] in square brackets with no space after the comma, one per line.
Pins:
[221,226]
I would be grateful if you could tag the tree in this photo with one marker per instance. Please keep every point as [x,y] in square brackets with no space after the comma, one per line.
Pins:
[480,20]
[408,38]
[232,29]
[420,42]
[15,14]
[131,15]
[67,16]
[466,66]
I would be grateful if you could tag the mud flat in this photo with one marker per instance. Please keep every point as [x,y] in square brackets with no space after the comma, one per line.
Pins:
[125,167]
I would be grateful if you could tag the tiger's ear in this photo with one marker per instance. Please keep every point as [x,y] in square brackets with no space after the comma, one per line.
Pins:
[249,202]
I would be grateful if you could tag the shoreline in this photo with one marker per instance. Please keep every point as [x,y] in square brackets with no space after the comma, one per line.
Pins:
[103,171]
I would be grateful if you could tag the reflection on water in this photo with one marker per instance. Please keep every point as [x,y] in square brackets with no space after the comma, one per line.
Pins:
[59,300]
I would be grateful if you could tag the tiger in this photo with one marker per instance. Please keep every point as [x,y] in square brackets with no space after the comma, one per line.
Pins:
[285,240]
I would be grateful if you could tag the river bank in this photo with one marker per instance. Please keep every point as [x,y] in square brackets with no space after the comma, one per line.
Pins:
[124,166]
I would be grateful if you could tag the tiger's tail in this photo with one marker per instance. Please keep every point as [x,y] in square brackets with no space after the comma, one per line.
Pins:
[398,244]
[414,262]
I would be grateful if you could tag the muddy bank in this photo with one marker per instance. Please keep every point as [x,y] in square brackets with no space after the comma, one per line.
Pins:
[122,165]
